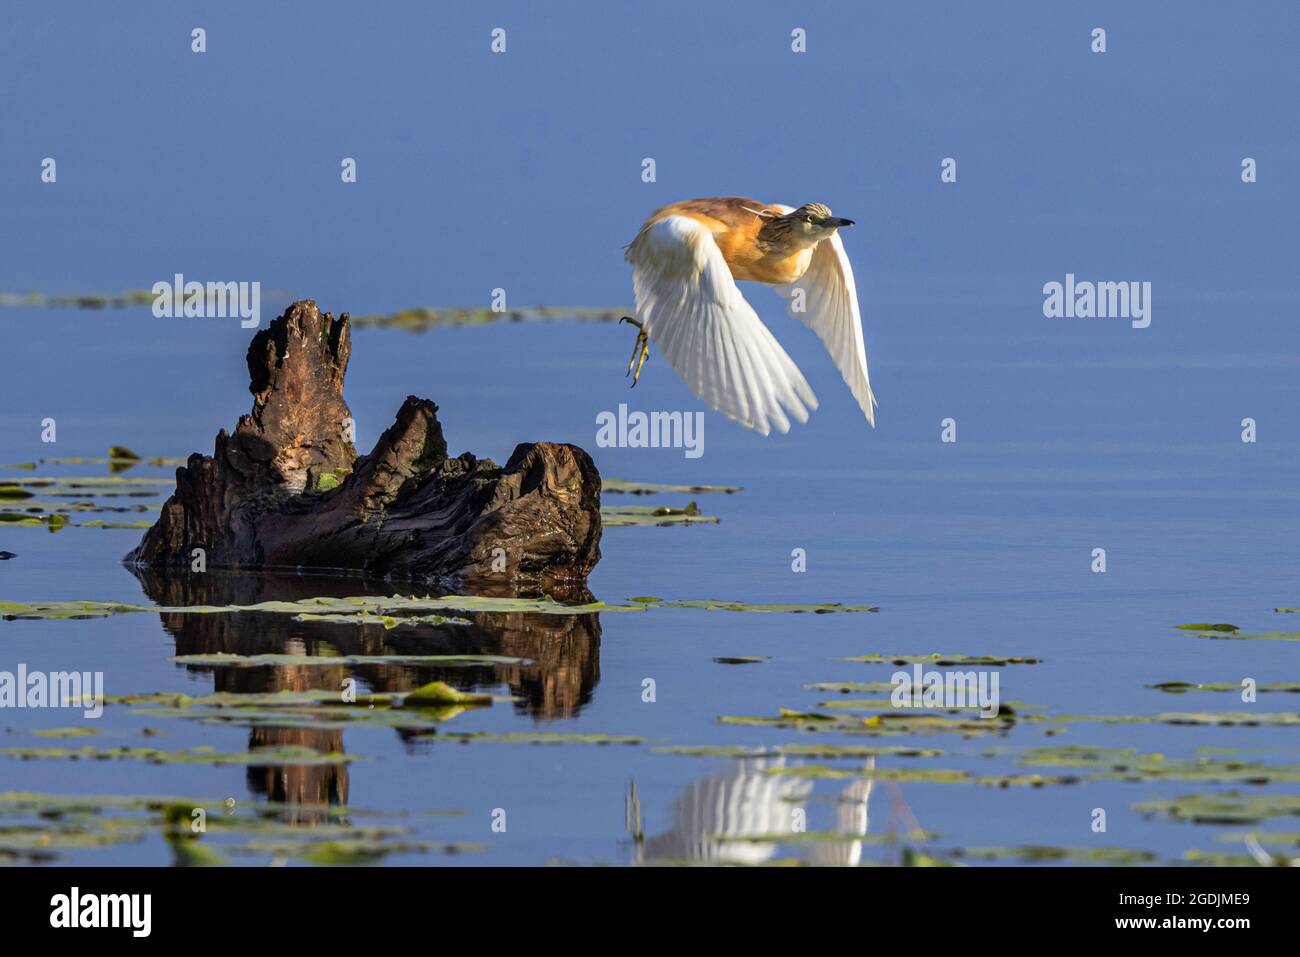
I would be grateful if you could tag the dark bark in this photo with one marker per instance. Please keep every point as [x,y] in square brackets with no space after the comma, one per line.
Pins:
[288,490]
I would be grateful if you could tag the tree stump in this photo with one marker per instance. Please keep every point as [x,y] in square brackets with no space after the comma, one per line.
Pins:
[288,490]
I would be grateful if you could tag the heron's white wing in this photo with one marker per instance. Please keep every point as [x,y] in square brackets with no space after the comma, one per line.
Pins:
[692,311]
[830,309]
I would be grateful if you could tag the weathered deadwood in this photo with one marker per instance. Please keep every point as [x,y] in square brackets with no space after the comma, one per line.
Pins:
[288,490]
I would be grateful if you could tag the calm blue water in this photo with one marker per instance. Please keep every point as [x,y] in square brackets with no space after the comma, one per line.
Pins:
[522,171]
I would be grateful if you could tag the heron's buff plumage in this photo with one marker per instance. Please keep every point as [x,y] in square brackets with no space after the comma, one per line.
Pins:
[756,239]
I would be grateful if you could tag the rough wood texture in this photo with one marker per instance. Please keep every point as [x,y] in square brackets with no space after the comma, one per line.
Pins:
[287,489]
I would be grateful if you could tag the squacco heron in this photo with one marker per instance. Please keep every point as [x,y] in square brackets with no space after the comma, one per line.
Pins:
[685,263]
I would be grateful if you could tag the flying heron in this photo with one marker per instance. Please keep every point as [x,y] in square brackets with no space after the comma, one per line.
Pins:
[685,263]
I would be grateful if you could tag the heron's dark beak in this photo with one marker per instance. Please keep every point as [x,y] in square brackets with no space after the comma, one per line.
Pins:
[834,222]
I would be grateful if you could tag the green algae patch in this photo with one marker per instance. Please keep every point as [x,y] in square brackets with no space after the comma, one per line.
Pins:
[222,660]
[262,757]
[38,844]
[896,722]
[1224,719]
[80,483]
[302,709]
[852,687]
[799,751]
[360,609]
[941,660]
[440,693]
[74,823]
[65,610]
[824,837]
[616,516]
[389,622]
[54,522]
[76,732]
[624,487]
[787,608]
[1127,764]
[424,318]
[349,852]
[397,610]
[1223,807]
[538,738]
[924,776]
[1040,854]
[1183,687]
[1232,632]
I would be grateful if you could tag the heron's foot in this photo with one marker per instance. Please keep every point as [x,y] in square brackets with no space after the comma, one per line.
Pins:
[643,343]
[640,350]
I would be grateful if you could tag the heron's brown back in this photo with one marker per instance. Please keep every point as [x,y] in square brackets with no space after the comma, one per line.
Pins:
[735,225]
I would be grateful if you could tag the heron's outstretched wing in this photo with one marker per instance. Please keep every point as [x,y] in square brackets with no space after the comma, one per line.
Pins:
[830,309]
[692,311]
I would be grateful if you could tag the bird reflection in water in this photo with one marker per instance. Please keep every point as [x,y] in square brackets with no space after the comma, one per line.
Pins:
[739,815]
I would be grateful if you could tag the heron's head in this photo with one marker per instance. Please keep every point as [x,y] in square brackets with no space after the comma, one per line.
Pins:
[805,226]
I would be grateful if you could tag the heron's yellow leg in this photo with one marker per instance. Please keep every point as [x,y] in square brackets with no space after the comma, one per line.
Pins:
[640,350]
[643,341]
